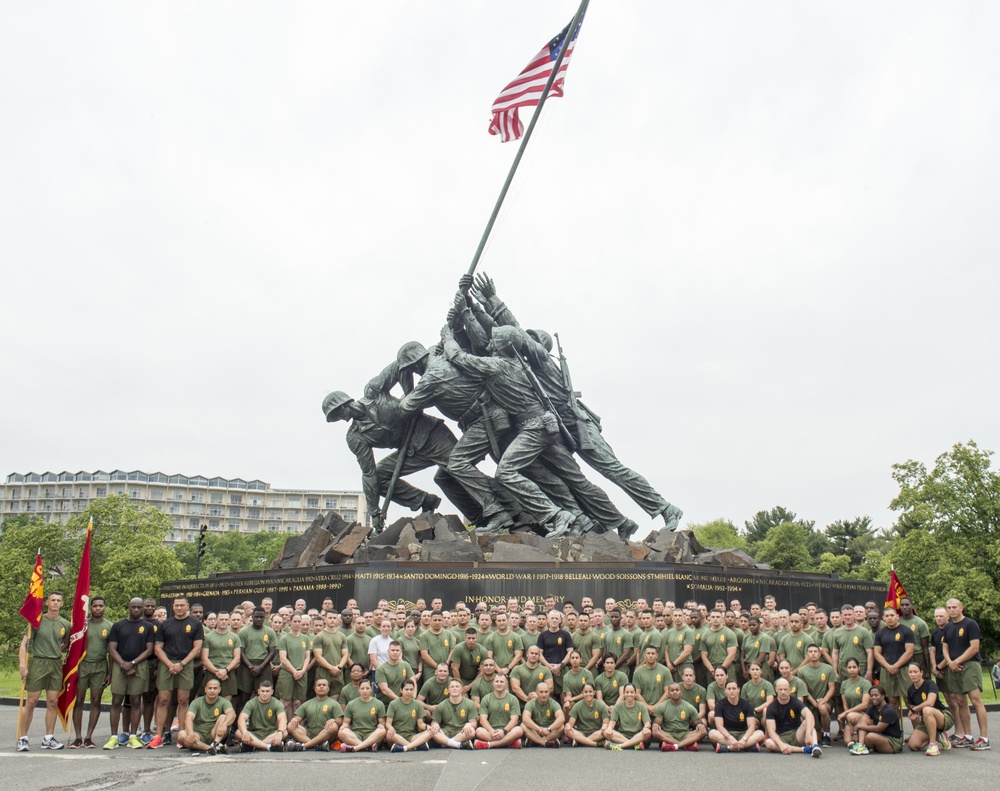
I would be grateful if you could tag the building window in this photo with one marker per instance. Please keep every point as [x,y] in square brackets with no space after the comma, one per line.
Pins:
[197,497]
[12,507]
[236,499]
[216,497]
[253,513]
[134,494]
[274,513]
[294,502]
[15,494]
[349,516]
[194,524]
[256,501]
[48,492]
[292,514]
[101,491]
[331,503]
[234,510]
[176,495]
[312,502]
[176,509]
[215,510]
[65,491]
[233,525]
[213,524]
[82,492]
[276,501]
[156,494]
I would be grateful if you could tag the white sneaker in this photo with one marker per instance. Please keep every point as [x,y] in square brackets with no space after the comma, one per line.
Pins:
[50,743]
[22,744]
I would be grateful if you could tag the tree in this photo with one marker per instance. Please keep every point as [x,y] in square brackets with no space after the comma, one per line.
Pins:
[763,521]
[232,551]
[720,534]
[786,547]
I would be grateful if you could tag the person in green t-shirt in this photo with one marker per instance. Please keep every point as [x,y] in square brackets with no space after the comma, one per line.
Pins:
[678,644]
[651,680]
[466,659]
[352,689]
[220,655]
[435,689]
[527,676]
[330,654]
[820,688]
[208,721]
[629,725]
[796,688]
[573,679]
[854,696]
[316,722]
[676,724]
[262,722]
[716,691]
[411,647]
[719,646]
[543,719]
[454,719]
[483,685]
[43,673]
[506,647]
[94,673]
[694,693]
[609,684]
[405,726]
[260,644]
[794,643]
[364,721]
[758,690]
[294,655]
[499,712]
[588,719]
[391,674]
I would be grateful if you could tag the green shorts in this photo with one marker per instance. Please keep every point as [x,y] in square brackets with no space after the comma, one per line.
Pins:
[897,744]
[737,734]
[970,677]
[166,681]
[894,686]
[152,669]
[246,682]
[679,735]
[122,684]
[229,686]
[949,723]
[44,675]
[288,688]
[92,675]
[790,738]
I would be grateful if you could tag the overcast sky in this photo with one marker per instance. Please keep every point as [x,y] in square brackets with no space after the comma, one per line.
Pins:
[762,230]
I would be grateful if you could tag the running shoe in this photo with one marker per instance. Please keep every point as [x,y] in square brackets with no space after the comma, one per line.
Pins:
[692,748]
[293,746]
[963,742]
[346,748]
[146,737]
[817,751]
[514,745]
[826,741]
[480,745]
[168,737]
[112,744]
[640,746]
[982,743]
[945,743]
[860,749]
[221,749]
[50,743]
[155,744]
[423,748]
[76,744]
[22,745]
[276,748]
[932,750]
[397,748]
[123,738]
[668,748]
[722,748]
[616,747]
[212,750]
[134,742]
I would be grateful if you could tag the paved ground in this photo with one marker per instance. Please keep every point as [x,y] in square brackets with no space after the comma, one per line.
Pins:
[492,770]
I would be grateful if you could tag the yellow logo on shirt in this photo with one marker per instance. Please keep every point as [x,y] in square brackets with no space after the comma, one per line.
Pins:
[763,693]
[413,714]
[104,632]
[270,714]
[791,713]
[446,643]
[461,712]
[142,629]
[215,712]
[742,716]
[558,641]
[658,677]
[857,690]
[230,642]
[187,629]
[404,672]
[923,696]
[722,638]
[372,711]
[506,707]
[62,631]
[597,716]
[855,640]
[757,644]
[961,632]
[614,683]
[822,676]
[303,643]
[541,676]
[680,638]
[697,698]
[898,635]
[325,707]
[798,644]
[683,715]
[265,638]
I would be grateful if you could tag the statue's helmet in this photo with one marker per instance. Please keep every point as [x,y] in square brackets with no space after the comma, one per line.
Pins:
[410,353]
[330,404]
[542,337]
[504,336]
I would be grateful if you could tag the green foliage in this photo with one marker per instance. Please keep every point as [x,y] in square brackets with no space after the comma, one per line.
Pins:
[763,521]
[834,564]
[232,551]
[786,547]
[720,534]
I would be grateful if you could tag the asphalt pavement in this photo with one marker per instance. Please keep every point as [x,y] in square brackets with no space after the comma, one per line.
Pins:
[480,770]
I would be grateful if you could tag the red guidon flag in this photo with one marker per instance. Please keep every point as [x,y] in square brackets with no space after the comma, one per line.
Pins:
[525,90]
[77,635]
[896,591]
[34,602]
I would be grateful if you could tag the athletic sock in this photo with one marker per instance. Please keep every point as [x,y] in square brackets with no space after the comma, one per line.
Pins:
[453,743]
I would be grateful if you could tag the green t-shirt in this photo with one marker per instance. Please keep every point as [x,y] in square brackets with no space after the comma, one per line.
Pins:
[853,644]
[615,643]
[652,682]
[676,718]
[482,687]
[364,716]
[793,647]
[757,694]
[585,644]
[854,691]
[393,675]
[205,716]
[503,647]
[262,718]
[796,687]
[329,645]
[296,648]
[675,641]
[717,644]
[357,649]
[816,679]
[644,640]
[452,717]
[221,648]
[348,693]
[695,696]
[498,711]
[572,683]
[437,645]
[97,640]
[47,640]
[920,630]
[257,642]
[755,646]
[434,691]
[610,687]
[530,679]
[715,692]
[315,713]
[528,639]
[542,716]
[411,650]
[630,720]
[589,718]
[406,717]
[468,661]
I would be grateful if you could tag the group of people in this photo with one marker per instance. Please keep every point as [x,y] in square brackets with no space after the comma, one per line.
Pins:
[649,676]
[511,400]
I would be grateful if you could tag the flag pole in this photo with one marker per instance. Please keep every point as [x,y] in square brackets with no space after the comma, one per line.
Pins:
[571,32]
[20,700]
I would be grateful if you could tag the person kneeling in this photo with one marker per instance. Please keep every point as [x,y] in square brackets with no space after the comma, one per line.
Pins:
[928,714]
[879,729]
[791,726]
[262,722]
[317,722]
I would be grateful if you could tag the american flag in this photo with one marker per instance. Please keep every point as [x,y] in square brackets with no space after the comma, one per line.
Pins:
[526,89]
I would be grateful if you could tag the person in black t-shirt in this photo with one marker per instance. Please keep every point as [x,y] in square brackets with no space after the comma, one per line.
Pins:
[736,726]
[927,713]
[879,729]
[130,644]
[555,644]
[964,673]
[894,646]
[178,642]
[789,724]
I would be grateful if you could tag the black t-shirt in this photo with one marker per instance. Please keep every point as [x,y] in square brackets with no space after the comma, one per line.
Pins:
[786,716]
[893,642]
[132,637]
[937,641]
[915,696]
[735,716]
[554,645]
[178,636]
[887,715]
[959,635]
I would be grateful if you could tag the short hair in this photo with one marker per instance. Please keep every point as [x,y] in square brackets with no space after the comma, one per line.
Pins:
[265,683]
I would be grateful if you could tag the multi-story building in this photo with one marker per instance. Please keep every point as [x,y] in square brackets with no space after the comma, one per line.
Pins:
[219,503]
